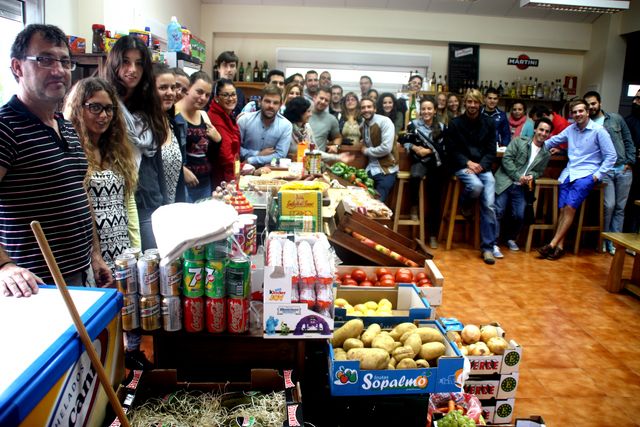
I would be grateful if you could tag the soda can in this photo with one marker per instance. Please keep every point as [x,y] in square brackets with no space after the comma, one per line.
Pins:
[215,315]
[171,313]
[237,315]
[217,250]
[148,275]
[150,312]
[237,277]
[195,253]
[136,252]
[193,278]
[126,273]
[130,312]
[193,312]
[171,278]
[214,286]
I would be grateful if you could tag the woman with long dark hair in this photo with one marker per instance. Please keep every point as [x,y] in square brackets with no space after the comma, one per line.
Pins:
[387,105]
[220,114]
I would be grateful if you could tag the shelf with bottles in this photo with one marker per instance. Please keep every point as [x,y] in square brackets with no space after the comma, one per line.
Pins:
[248,74]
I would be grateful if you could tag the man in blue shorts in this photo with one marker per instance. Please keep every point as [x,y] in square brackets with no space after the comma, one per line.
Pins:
[591,154]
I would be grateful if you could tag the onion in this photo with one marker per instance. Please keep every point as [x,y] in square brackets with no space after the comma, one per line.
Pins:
[471,334]
[488,331]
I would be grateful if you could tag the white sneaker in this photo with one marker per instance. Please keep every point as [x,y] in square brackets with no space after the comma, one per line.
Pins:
[513,246]
[496,252]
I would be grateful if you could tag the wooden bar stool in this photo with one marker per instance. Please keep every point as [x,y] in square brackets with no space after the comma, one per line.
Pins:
[398,218]
[599,187]
[549,203]
[451,214]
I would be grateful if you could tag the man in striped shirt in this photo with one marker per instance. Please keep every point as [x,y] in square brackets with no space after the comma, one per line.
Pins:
[42,170]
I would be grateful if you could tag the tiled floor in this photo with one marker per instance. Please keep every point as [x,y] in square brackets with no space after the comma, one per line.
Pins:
[581,365]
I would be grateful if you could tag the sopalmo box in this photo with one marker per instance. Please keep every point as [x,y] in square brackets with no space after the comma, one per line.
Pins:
[347,379]
[46,378]
[495,386]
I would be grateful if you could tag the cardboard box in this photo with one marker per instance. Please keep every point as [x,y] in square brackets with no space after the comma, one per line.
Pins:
[433,294]
[498,411]
[347,379]
[408,304]
[295,203]
[494,386]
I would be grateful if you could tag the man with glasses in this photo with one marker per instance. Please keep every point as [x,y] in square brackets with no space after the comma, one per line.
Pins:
[275,77]
[42,170]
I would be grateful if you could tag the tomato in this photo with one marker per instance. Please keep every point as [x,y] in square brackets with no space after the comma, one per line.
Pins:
[424,283]
[380,271]
[358,275]
[421,275]
[345,277]
[403,277]
[337,282]
[366,283]
[377,284]
[386,276]
[349,282]
[387,283]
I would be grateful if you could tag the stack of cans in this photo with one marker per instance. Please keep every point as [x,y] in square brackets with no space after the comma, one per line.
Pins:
[193,289]
[170,287]
[216,254]
[148,287]
[238,288]
[126,273]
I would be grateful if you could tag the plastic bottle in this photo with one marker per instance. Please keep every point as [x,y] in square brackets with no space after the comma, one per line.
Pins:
[186,40]
[174,36]
[97,43]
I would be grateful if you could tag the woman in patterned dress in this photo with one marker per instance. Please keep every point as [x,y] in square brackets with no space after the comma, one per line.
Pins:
[112,175]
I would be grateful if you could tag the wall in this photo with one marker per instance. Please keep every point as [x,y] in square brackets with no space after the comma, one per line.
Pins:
[631,18]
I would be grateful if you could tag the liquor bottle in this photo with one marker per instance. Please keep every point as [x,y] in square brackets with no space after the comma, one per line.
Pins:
[439,84]
[248,75]
[506,91]
[445,85]
[265,70]
[433,81]
[539,91]
[523,88]
[241,73]
[514,92]
[546,90]
[481,86]
[500,89]
[256,72]
[412,107]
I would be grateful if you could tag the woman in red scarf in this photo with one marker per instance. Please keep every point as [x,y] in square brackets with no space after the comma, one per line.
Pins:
[220,113]
[519,123]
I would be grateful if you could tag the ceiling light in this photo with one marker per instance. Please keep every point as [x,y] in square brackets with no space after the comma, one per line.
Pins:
[591,6]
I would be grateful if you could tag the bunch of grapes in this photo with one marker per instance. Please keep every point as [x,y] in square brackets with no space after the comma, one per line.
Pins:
[456,419]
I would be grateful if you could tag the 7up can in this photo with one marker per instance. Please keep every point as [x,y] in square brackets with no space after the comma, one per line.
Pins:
[237,277]
[193,278]
[214,279]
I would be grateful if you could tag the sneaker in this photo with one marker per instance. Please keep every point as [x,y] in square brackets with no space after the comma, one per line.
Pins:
[136,360]
[496,252]
[433,242]
[414,213]
[630,252]
[487,257]
[612,249]
[545,250]
[512,245]
[556,254]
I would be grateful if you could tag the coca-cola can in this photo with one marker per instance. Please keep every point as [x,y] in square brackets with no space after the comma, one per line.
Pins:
[171,314]
[193,312]
[237,315]
[215,315]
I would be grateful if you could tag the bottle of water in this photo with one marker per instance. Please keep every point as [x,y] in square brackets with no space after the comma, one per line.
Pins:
[174,35]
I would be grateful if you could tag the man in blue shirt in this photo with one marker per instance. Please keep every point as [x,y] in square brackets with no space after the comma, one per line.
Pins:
[491,110]
[591,155]
[265,134]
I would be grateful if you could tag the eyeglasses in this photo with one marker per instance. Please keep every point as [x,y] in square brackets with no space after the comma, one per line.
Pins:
[49,62]
[228,95]
[97,109]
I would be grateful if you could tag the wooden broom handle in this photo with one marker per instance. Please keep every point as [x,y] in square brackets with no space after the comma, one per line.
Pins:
[82,331]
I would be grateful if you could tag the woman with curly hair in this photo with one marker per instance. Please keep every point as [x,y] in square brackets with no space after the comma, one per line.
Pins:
[387,105]
[111,178]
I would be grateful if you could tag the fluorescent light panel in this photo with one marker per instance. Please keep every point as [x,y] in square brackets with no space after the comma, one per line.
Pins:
[591,6]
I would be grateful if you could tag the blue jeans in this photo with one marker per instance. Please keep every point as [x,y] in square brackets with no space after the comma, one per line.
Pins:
[616,193]
[514,197]
[147,239]
[482,186]
[384,183]
[200,191]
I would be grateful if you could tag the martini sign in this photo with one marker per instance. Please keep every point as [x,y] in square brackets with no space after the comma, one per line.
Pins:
[522,62]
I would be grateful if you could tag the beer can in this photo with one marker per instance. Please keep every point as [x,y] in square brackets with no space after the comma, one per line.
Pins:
[237,315]
[130,312]
[237,277]
[215,315]
[218,250]
[195,253]
[193,278]
[171,313]
[148,275]
[126,273]
[136,252]
[150,312]
[214,286]
[171,278]
[193,313]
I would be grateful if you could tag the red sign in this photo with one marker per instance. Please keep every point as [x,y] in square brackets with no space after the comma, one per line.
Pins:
[523,62]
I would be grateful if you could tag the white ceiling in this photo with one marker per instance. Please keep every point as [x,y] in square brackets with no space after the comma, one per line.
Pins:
[501,8]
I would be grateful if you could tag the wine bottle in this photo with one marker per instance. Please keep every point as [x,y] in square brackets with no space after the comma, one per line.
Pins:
[241,73]
[500,89]
[256,72]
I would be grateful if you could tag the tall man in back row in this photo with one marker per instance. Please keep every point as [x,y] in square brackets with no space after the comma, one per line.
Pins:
[591,155]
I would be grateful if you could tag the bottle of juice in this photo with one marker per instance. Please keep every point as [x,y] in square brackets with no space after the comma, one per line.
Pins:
[302,147]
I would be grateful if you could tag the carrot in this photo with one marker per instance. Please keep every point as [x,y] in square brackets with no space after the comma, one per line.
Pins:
[452,406]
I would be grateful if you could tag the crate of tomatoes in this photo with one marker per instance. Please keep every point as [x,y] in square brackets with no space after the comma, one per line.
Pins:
[428,279]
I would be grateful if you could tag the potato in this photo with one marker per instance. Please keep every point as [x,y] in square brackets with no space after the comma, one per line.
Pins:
[487,332]
[392,362]
[428,334]
[497,345]
[340,356]
[471,334]
[370,358]
[384,342]
[352,329]
[385,303]
[372,331]
[414,341]
[403,352]
[421,363]
[407,364]
[404,336]
[397,344]
[350,343]
[432,350]
[400,329]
